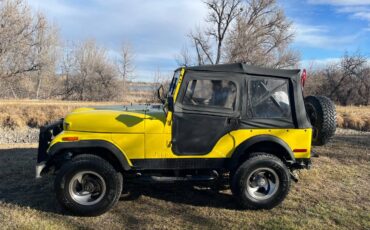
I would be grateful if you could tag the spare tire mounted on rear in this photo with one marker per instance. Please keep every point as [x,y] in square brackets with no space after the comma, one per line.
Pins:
[322,115]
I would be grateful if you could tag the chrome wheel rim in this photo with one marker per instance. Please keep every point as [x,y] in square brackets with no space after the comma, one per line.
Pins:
[262,184]
[87,188]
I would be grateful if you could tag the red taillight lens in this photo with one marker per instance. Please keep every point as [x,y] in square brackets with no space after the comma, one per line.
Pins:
[303,77]
[299,150]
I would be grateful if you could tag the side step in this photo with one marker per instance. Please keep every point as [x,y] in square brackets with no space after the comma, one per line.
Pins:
[170,179]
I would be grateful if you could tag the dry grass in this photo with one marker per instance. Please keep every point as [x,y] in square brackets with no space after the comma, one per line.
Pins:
[354,117]
[334,194]
[21,113]
[34,113]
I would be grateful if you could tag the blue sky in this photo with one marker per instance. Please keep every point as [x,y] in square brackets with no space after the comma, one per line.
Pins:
[157,29]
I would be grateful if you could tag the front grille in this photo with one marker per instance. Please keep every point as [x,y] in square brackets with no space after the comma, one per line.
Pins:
[47,133]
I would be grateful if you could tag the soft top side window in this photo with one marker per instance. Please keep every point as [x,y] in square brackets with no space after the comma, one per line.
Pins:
[211,93]
[269,98]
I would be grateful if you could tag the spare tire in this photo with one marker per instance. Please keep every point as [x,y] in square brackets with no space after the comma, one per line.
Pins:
[322,115]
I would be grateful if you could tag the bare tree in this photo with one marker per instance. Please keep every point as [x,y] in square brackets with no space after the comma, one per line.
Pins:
[89,74]
[364,87]
[183,58]
[262,36]
[252,31]
[25,39]
[68,70]
[125,65]
[209,43]
[46,53]
[347,85]
[346,82]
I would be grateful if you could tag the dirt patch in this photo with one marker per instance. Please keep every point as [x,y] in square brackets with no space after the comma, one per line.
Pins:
[334,194]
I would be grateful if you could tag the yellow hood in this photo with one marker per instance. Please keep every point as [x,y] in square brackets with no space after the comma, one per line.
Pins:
[106,120]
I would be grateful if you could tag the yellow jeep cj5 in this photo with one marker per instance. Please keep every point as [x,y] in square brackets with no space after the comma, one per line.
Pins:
[234,125]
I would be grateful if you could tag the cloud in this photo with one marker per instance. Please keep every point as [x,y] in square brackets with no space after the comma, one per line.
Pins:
[318,36]
[311,64]
[321,37]
[359,9]
[156,29]
[340,2]
[359,12]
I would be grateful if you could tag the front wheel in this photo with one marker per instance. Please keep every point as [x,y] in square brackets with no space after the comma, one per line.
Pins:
[88,185]
[261,182]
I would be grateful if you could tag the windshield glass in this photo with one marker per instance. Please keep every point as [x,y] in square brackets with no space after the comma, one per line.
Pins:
[173,83]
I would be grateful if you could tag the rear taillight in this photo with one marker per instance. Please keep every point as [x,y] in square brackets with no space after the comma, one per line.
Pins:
[303,77]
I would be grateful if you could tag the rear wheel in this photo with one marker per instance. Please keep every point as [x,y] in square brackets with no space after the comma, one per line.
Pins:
[322,115]
[88,185]
[261,182]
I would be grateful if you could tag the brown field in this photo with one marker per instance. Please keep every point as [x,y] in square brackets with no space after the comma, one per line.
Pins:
[21,113]
[354,117]
[334,194]
[35,113]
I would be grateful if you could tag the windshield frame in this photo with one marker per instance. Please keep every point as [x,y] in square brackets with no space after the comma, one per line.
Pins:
[174,81]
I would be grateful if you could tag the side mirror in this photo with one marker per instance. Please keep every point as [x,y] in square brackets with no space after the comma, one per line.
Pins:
[170,105]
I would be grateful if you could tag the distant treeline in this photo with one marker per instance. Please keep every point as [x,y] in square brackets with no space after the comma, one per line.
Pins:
[35,63]
[346,82]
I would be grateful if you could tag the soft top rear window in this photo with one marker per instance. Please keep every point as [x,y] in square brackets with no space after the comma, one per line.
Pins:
[269,98]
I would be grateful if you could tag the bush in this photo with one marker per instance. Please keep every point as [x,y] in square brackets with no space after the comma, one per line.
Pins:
[346,82]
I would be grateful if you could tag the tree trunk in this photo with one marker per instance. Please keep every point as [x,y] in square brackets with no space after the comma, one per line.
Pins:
[38,87]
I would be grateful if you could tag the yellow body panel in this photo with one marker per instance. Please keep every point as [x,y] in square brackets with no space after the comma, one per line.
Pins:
[294,138]
[147,134]
[156,143]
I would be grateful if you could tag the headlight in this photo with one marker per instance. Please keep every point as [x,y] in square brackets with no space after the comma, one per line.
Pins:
[65,125]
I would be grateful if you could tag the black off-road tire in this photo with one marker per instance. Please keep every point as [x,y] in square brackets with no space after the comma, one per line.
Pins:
[255,162]
[322,115]
[112,178]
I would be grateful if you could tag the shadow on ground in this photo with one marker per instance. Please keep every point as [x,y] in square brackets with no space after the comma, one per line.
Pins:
[19,186]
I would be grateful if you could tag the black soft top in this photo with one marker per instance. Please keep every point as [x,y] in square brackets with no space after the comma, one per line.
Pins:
[242,71]
[245,68]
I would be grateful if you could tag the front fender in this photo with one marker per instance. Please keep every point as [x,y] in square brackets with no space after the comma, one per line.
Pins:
[83,144]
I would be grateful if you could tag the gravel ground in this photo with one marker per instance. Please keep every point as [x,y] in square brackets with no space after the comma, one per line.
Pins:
[24,135]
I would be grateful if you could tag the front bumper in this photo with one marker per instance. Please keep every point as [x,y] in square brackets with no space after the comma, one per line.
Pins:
[47,134]
[39,168]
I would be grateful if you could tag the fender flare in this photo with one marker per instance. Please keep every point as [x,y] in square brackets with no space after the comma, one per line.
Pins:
[241,150]
[117,153]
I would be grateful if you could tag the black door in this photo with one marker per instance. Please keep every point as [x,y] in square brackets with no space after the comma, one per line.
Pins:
[206,110]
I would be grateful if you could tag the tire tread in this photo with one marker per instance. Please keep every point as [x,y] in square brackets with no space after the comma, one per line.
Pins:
[94,161]
[236,182]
